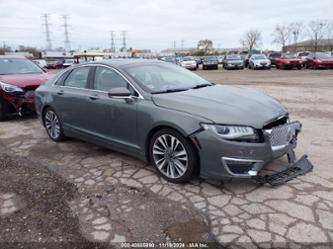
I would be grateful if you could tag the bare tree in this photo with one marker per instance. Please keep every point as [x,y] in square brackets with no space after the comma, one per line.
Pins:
[316,31]
[205,45]
[251,39]
[329,33]
[296,31]
[281,35]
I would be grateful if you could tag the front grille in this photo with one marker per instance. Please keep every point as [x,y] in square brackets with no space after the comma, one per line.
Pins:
[282,135]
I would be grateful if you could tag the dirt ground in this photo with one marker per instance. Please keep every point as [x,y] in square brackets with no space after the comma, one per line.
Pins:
[110,198]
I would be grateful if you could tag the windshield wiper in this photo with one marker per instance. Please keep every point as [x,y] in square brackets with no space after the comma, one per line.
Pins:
[201,86]
[171,90]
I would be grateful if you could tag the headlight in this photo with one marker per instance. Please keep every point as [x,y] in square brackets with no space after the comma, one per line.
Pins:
[236,133]
[10,88]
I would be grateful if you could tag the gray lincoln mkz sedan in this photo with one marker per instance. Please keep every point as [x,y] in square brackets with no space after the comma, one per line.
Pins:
[171,117]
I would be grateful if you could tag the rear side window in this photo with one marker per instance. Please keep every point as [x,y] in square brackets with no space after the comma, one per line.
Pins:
[78,78]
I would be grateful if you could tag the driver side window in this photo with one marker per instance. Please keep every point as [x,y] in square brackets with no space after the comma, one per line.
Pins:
[107,79]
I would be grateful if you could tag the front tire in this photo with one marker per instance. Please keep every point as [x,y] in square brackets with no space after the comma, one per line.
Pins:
[53,125]
[3,110]
[173,156]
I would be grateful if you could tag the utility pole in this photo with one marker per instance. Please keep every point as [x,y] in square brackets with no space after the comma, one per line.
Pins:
[113,45]
[67,43]
[182,44]
[47,32]
[123,33]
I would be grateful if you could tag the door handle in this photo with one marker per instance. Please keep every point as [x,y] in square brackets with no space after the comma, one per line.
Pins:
[94,97]
[60,92]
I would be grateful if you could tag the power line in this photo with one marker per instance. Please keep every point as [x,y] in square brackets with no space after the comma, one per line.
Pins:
[67,42]
[47,32]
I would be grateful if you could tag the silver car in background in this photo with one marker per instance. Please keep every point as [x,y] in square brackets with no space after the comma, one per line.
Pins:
[166,115]
[189,62]
[259,61]
[233,61]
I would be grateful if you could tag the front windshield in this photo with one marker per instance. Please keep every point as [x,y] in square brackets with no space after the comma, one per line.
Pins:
[259,57]
[188,59]
[210,58]
[289,56]
[322,55]
[18,66]
[233,57]
[159,77]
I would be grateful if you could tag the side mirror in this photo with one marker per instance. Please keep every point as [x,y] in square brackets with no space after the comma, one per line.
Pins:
[119,92]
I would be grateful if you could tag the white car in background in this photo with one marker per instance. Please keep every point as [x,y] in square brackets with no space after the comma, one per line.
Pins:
[189,62]
[40,63]
[68,63]
[259,61]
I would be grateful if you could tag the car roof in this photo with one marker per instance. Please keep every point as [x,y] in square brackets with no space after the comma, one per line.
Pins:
[122,62]
[12,57]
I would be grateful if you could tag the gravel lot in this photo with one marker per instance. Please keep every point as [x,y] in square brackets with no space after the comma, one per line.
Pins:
[116,198]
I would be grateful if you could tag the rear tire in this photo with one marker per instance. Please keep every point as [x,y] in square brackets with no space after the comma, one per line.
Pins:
[173,156]
[53,125]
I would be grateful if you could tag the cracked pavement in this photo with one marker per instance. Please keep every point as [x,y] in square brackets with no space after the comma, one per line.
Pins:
[122,199]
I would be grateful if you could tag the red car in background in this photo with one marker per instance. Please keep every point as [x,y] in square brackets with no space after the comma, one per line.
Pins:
[59,64]
[289,61]
[19,77]
[319,60]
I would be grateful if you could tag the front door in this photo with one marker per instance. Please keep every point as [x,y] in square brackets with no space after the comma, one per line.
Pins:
[117,117]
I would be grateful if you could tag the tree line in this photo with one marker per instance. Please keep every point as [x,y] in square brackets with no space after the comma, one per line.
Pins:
[283,35]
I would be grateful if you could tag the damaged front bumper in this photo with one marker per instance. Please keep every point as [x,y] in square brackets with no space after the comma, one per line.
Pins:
[20,103]
[223,159]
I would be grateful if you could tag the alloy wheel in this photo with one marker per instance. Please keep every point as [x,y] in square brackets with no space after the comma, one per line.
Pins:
[170,156]
[52,124]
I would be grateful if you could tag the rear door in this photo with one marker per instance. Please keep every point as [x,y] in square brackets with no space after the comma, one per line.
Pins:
[72,100]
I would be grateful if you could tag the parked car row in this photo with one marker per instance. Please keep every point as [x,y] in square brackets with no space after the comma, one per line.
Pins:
[55,64]
[257,60]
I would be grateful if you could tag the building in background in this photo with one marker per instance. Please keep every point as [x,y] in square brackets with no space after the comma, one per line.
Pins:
[310,45]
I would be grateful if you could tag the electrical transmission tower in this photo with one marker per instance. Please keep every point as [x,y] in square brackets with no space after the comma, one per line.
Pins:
[67,42]
[113,44]
[47,32]
[123,33]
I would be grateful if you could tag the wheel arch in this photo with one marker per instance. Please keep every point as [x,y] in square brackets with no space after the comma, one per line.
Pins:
[177,129]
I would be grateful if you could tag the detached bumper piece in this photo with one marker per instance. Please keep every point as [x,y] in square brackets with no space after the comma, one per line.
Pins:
[301,167]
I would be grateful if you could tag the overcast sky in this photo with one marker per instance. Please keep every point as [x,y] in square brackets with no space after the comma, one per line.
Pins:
[152,23]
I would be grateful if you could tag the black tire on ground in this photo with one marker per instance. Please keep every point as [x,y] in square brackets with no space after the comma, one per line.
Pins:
[4,110]
[299,67]
[61,136]
[192,163]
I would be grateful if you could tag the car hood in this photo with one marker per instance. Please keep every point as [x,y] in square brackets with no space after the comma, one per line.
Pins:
[291,59]
[234,61]
[25,80]
[224,105]
[261,61]
[326,60]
